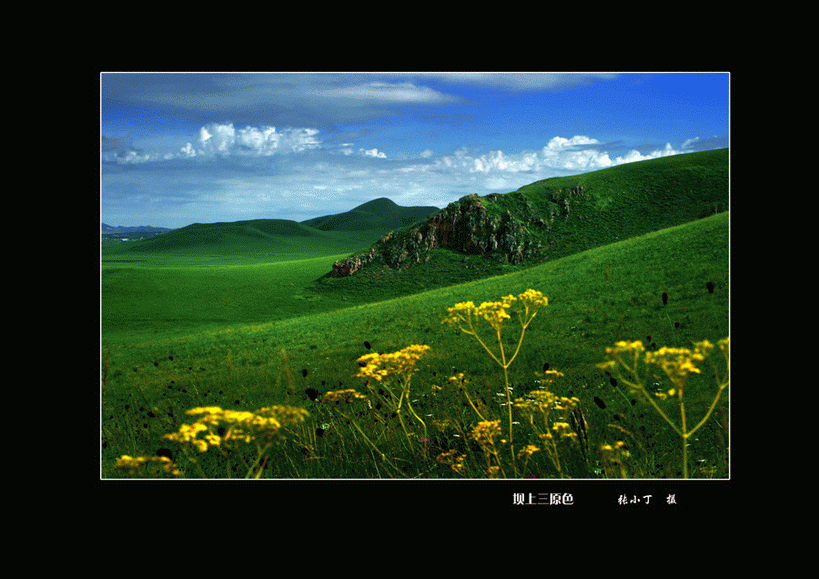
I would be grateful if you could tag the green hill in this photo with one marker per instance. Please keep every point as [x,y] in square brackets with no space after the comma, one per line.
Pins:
[274,239]
[378,213]
[559,216]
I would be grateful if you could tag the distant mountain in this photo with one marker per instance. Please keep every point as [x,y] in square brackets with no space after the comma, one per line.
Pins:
[110,229]
[331,234]
[377,213]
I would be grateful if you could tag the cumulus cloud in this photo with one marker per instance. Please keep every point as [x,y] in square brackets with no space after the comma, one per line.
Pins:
[225,139]
[634,155]
[558,157]
[373,153]
[580,153]
[339,176]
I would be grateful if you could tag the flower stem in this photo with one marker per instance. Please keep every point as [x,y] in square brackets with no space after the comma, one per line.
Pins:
[506,390]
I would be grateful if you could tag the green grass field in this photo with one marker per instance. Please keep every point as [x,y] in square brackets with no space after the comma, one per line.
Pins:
[237,330]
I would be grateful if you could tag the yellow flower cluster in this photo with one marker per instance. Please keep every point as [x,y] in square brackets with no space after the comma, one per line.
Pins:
[533,299]
[459,380]
[564,429]
[546,401]
[677,363]
[616,453]
[147,465]
[188,434]
[455,461]
[348,395]
[723,345]
[549,375]
[486,432]
[528,451]
[495,312]
[630,349]
[401,363]
[624,347]
[236,425]
[460,312]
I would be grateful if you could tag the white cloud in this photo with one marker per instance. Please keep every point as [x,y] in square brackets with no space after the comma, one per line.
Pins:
[634,155]
[217,138]
[187,151]
[525,81]
[224,139]
[559,156]
[561,144]
[337,176]
[387,93]
[580,153]
[373,153]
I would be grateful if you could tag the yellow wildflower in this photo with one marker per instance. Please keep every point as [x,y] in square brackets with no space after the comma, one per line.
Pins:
[564,430]
[401,363]
[495,312]
[623,347]
[616,452]
[723,345]
[486,432]
[677,363]
[533,298]
[549,375]
[459,378]
[528,450]
[453,460]
[459,312]
[564,403]
[237,425]
[188,433]
[147,465]
[704,348]
[348,395]
[542,397]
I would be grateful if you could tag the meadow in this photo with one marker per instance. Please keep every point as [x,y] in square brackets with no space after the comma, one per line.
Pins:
[230,364]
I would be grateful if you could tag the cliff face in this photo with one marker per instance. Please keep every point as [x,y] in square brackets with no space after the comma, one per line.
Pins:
[465,225]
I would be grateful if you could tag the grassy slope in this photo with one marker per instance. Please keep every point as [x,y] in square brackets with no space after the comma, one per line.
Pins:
[258,241]
[616,203]
[267,240]
[139,302]
[251,365]
[634,198]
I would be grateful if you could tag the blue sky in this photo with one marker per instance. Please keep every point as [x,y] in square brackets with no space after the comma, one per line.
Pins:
[177,149]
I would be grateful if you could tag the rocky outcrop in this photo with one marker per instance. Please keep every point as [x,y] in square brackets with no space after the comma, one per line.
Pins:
[465,225]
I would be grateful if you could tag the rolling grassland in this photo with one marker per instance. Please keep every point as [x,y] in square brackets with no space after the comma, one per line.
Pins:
[245,337]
